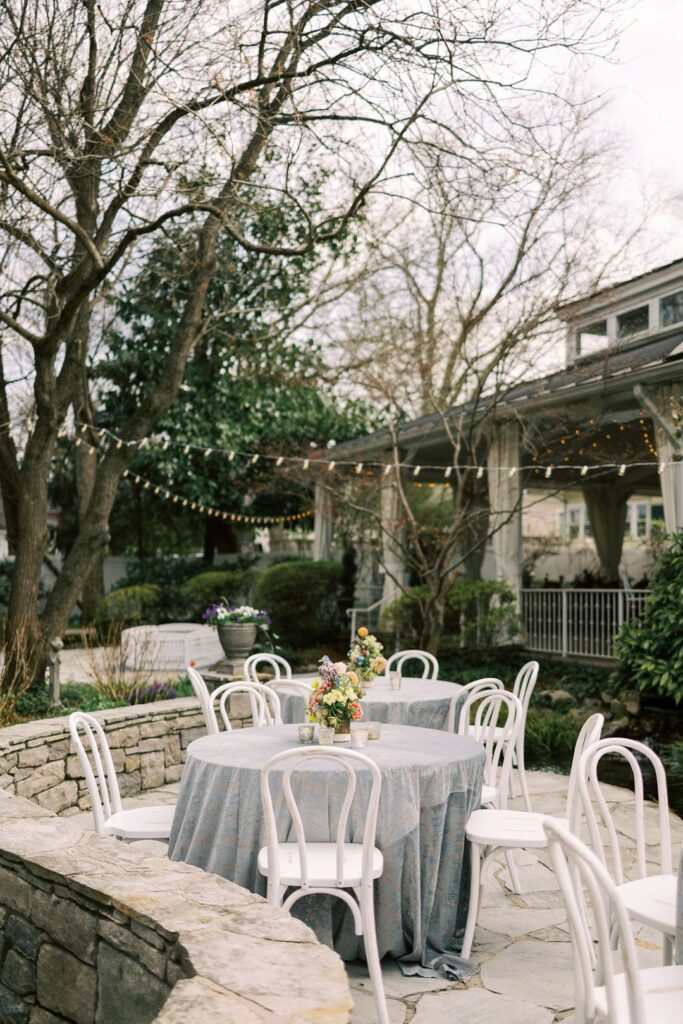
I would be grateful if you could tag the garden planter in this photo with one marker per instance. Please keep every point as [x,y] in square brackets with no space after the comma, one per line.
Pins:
[237,638]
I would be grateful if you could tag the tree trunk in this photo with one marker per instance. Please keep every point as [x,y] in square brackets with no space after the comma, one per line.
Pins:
[93,581]
[26,644]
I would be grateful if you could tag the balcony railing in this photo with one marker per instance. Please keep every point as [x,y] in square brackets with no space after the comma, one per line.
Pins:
[582,622]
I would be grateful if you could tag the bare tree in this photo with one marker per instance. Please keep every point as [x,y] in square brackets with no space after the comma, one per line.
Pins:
[109,118]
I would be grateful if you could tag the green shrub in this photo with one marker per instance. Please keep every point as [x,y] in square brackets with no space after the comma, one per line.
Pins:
[130,606]
[197,593]
[549,734]
[301,598]
[479,613]
[650,649]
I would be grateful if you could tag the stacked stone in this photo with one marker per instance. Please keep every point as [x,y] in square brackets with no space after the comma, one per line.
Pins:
[96,932]
[148,744]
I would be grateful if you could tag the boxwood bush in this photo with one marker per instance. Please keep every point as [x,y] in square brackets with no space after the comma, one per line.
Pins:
[199,592]
[129,606]
[302,599]
[650,649]
[480,613]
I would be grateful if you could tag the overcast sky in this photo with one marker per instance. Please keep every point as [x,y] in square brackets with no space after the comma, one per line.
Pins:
[646,87]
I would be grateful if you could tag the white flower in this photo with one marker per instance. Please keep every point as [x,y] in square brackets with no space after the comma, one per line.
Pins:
[340,667]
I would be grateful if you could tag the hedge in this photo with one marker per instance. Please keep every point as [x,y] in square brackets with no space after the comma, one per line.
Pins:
[302,600]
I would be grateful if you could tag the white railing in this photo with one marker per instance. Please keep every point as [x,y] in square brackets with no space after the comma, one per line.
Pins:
[368,616]
[578,621]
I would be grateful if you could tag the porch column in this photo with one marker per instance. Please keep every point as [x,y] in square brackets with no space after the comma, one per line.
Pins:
[475,529]
[606,506]
[505,501]
[670,450]
[393,531]
[323,524]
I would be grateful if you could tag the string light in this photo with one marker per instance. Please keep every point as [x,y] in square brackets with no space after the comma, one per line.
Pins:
[331,466]
[548,472]
[416,471]
[480,472]
[359,467]
[622,469]
[512,471]
[584,470]
[447,472]
[235,517]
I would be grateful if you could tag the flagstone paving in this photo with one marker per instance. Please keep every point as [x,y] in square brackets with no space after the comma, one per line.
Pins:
[522,941]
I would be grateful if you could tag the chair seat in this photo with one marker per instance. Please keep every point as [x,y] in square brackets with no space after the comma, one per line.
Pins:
[489,794]
[652,901]
[491,827]
[141,822]
[155,847]
[322,864]
[662,996]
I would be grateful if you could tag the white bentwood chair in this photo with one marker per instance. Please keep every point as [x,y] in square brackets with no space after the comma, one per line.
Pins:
[331,868]
[140,826]
[486,685]
[648,899]
[652,995]
[264,704]
[491,830]
[523,687]
[279,666]
[430,666]
[201,692]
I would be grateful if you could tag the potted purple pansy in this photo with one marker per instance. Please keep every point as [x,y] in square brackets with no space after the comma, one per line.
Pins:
[237,627]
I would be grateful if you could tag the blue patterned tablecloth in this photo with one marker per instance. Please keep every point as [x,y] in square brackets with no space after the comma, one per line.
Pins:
[421,702]
[431,783]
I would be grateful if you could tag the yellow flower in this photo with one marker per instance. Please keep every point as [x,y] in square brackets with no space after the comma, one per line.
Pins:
[315,684]
[362,632]
[353,677]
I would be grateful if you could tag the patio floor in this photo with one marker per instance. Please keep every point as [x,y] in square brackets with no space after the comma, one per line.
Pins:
[522,941]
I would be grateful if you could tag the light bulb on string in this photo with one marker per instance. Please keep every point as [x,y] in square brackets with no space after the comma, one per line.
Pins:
[359,467]
[306,463]
[480,472]
[417,470]
[622,469]
[254,459]
[331,466]
[280,459]
[548,472]
[447,472]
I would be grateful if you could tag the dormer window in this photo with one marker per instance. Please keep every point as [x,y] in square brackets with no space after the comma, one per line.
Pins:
[671,309]
[634,322]
[592,338]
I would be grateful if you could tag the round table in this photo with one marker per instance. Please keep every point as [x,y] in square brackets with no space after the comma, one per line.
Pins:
[431,783]
[421,702]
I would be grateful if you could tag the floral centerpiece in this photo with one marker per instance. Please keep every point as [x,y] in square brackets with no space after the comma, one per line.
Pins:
[237,626]
[365,656]
[335,697]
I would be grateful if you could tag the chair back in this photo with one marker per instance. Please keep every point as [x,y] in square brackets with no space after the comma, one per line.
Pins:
[590,734]
[258,695]
[201,692]
[485,685]
[103,787]
[430,666]
[525,682]
[280,667]
[595,910]
[346,760]
[596,809]
[498,743]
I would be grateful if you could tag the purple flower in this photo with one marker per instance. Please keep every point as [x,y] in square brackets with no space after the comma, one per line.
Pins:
[326,669]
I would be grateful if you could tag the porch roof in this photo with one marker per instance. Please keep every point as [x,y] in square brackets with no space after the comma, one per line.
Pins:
[608,376]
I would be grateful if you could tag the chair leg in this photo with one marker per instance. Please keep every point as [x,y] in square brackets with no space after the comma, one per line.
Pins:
[668,951]
[522,776]
[367,910]
[512,868]
[475,892]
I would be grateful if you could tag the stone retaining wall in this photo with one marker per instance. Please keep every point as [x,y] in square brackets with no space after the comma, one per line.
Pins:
[148,743]
[95,932]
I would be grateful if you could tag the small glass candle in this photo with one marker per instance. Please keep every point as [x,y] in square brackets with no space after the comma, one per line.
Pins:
[359,737]
[306,733]
[395,680]
[374,730]
[325,735]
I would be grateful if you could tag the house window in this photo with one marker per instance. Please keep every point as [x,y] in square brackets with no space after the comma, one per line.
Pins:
[574,523]
[634,322]
[671,309]
[592,337]
[642,509]
[657,515]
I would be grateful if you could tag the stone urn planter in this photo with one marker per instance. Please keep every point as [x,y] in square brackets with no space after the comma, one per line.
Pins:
[237,638]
